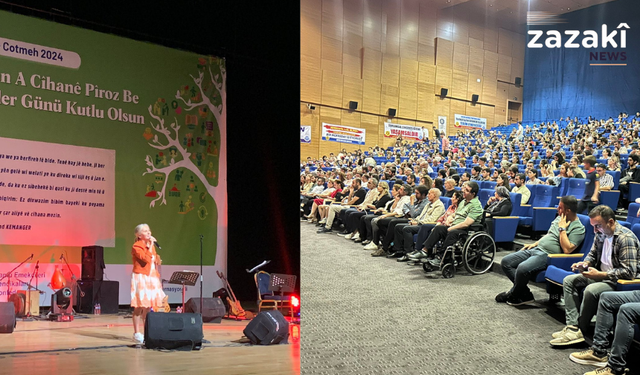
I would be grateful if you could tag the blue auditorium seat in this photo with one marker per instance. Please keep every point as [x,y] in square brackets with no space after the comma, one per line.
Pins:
[576,187]
[632,219]
[484,195]
[505,227]
[446,201]
[541,212]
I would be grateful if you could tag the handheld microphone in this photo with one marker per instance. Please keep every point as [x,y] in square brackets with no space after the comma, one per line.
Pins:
[157,245]
[37,264]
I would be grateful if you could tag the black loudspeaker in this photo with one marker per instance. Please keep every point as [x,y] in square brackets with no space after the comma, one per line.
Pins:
[92,263]
[213,309]
[103,292]
[353,105]
[518,81]
[173,331]
[268,327]
[7,317]
[392,112]
[443,92]
[474,98]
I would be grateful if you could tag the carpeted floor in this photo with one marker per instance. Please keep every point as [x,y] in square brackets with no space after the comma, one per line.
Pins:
[370,315]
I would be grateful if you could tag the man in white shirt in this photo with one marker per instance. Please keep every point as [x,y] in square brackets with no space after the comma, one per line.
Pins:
[606,180]
[613,257]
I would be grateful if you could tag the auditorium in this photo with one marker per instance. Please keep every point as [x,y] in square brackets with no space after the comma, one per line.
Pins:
[131,134]
[469,186]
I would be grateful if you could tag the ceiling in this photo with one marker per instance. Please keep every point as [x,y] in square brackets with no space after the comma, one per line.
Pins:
[513,13]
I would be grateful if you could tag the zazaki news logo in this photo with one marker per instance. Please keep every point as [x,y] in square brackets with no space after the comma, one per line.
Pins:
[592,39]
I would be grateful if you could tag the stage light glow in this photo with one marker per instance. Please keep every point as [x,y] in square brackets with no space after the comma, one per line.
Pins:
[295,301]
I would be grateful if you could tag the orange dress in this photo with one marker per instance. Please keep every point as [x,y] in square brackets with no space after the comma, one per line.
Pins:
[146,287]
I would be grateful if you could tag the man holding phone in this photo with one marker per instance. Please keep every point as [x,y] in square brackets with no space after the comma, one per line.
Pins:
[613,256]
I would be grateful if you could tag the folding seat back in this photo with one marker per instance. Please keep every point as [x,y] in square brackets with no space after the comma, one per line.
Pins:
[576,187]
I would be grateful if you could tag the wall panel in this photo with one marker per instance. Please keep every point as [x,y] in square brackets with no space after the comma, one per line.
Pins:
[399,54]
[444,53]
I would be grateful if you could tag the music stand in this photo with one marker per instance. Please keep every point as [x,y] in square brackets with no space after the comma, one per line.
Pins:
[184,278]
[280,282]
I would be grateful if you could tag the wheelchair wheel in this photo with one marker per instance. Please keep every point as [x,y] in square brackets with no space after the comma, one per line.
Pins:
[447,271]
[478,253]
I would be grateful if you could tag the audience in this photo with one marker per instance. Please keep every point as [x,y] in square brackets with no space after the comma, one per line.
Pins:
[613,257]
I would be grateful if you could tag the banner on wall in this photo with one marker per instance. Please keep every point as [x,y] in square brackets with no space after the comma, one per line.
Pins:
[343,134]
[470,122]
[442,124]
[73,120]
[392,130]
[305,134]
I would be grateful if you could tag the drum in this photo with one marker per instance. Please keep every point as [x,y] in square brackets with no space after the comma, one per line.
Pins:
[19,301]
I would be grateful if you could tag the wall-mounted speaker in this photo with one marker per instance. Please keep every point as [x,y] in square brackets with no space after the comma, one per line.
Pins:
[518,81]
[443,92]
[353,105]
[392,112]
[474,98]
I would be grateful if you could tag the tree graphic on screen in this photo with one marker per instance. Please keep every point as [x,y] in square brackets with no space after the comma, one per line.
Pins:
[202,104]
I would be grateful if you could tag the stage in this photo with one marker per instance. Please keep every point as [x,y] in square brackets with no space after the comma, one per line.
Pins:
[99,344]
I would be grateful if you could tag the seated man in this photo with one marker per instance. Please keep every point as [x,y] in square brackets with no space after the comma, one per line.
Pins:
[469,212]
[613,256]
[403,236]
[564,236]
[627,306]
[520,188]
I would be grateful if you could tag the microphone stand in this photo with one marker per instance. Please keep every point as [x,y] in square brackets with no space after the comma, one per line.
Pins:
[201,237]
[76,287]
[201,261]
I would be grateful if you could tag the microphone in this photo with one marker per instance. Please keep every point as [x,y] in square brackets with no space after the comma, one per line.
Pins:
[157,245]
[37,264]
[61,256]
[31,257]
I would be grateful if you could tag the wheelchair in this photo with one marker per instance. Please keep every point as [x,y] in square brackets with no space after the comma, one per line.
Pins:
[475,251]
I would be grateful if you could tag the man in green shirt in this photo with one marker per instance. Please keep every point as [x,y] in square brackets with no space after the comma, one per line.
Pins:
[564,236]
[469,212]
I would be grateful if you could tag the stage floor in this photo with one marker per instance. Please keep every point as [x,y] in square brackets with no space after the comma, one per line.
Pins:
[103,344]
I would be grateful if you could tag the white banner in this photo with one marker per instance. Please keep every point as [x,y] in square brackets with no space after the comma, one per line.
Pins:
[407,131]
[56,195]
[305,134]
[343,134]
[442,124]
[470,122]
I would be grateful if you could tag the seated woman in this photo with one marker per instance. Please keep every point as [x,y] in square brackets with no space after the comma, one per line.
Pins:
[353,220]
[606,154]
[576,172]
[614,164]
[322,204]
[563,173]
[503,180]
[546,169]
[365,231]
[532,177]
[446,219]
[498,205]
[319,200]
